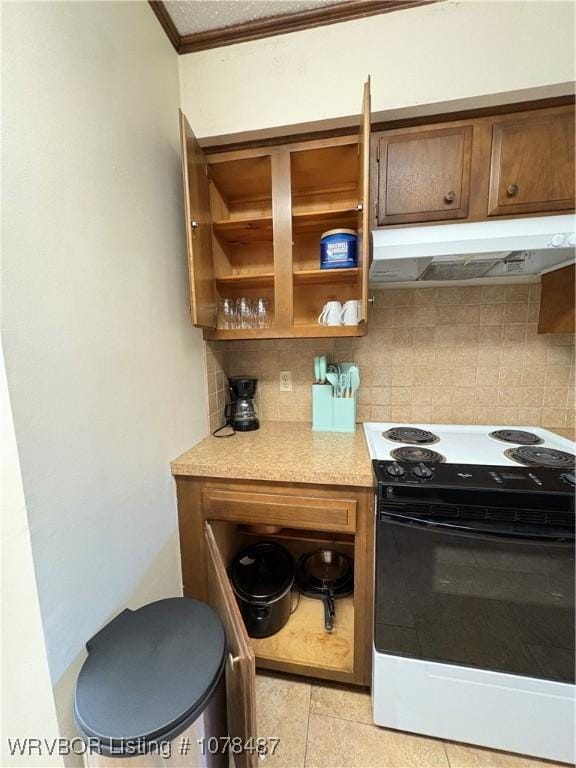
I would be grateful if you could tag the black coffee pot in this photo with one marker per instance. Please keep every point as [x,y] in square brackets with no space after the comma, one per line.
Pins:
[240,411]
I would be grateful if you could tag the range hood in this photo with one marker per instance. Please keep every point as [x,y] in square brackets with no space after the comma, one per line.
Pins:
[475,251]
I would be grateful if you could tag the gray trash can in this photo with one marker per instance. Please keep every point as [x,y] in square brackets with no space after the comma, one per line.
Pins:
[152,690]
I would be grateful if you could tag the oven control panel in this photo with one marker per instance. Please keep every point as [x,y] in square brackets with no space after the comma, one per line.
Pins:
[474,477]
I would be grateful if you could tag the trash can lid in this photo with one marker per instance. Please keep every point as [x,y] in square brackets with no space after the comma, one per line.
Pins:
[149,673]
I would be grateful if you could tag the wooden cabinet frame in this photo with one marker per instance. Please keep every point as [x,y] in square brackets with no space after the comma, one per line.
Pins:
[205,504]
[256,236]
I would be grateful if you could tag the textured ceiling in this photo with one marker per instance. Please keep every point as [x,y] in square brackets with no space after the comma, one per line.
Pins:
[191,16]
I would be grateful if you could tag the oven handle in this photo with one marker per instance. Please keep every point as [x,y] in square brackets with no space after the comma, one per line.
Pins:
[504,532]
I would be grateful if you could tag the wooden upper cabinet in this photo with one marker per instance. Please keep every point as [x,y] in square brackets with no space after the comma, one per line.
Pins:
[514,164]
[241,664]
[203,306]
[254,221]
[424,175]
[532,165]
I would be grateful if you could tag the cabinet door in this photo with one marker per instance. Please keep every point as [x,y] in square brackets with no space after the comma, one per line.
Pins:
[557,305]
[424,175]
[363,226]
[532,166]
[240,665]
[198,229]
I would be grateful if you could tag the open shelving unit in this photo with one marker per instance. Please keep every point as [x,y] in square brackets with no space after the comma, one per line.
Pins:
[257,216]
[303,640]
[325,196]
[242,230]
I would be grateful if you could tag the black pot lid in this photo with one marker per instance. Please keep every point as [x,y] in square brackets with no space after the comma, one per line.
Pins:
[150,673]
[262,572]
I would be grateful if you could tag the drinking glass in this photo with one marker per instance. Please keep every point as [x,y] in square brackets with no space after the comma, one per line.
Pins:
[261,313]
[244,313]
[227,314]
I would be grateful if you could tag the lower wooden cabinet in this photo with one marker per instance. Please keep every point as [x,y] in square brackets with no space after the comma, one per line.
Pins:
[213,530]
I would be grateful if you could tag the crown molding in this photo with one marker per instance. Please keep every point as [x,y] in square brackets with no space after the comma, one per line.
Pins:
[277,25]
[166,22]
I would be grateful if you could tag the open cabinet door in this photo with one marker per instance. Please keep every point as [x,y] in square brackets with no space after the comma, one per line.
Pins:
[558,301]
[240,665]
[364,202]
[198,228]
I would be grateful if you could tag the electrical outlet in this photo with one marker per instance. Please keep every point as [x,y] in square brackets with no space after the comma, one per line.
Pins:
[285,381]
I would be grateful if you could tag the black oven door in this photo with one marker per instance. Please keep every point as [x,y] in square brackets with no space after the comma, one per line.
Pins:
[475,597]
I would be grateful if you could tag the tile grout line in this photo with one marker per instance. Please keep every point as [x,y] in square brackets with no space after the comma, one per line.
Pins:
[308,725]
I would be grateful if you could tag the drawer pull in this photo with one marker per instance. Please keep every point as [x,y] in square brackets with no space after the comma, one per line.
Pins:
[449,197]
[512,190]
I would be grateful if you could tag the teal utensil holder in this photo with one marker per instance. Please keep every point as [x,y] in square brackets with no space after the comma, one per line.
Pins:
[332,414]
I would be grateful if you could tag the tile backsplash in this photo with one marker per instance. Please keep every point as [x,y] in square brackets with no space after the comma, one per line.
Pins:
[467,355]
[217,385]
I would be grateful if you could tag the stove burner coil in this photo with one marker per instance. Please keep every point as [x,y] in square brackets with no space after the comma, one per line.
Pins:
[416,454]
[517,436]
[411,435]
[541,457]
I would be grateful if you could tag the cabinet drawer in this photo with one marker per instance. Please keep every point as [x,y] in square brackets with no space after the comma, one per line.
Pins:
[326,514]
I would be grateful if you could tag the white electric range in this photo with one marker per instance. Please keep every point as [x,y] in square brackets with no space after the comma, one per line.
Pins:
[463,444]
[474,585]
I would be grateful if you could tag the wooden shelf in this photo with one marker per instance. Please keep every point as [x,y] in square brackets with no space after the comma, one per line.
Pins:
[244,231]
[318,221]
[303,639]
[312,330]
[265,280]
[243,180]
[320,276]
[301,535]
[222,334]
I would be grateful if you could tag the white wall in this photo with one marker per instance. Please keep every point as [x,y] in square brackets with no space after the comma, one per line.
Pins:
[422,60]
[27,702]
[106,374]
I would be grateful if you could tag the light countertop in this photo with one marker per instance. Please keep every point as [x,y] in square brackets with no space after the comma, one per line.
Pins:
[283,452]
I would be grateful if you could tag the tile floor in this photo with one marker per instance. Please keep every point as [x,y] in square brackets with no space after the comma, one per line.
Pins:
[324,725]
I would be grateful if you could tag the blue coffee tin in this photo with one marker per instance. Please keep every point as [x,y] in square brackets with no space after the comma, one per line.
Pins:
[338,249]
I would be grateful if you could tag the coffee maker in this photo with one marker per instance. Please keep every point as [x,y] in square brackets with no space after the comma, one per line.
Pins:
[240,411]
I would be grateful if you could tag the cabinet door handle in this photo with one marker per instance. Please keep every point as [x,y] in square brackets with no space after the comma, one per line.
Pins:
[194,224]
[449,197]
[512,190]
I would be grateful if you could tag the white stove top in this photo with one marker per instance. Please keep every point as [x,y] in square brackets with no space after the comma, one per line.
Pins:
[462,444]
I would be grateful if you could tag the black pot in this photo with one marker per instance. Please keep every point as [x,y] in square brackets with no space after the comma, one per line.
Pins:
[262,577]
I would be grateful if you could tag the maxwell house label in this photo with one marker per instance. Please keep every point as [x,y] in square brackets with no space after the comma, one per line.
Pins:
[337,251]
